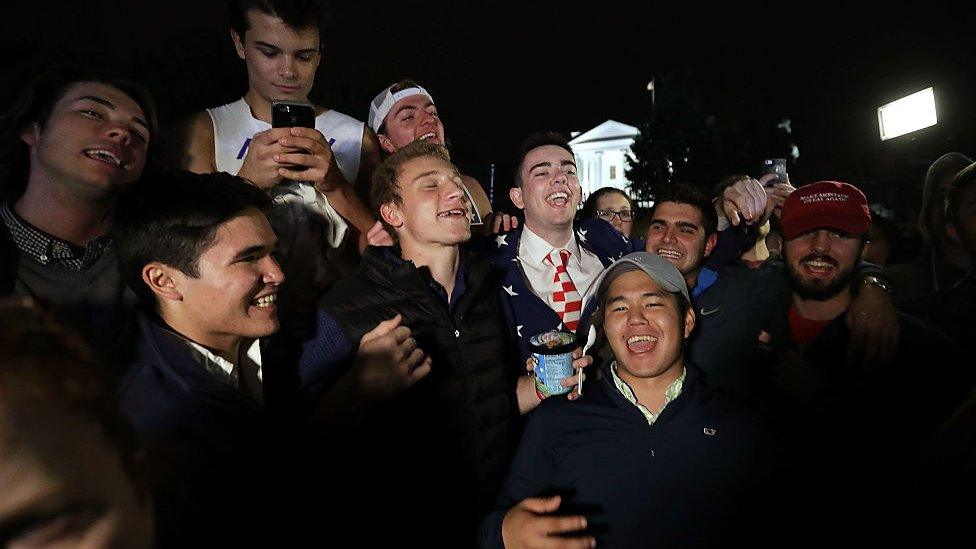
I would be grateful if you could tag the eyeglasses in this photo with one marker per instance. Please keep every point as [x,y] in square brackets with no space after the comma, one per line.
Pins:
[608,215]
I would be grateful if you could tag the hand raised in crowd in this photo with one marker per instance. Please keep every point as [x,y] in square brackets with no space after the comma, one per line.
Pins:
[388,361]
[528,398]
[501,222]
[531,524]
[378,236]
[777,195]
[873,324]
[745,201]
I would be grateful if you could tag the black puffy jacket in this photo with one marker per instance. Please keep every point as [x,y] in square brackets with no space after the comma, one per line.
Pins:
[450,438]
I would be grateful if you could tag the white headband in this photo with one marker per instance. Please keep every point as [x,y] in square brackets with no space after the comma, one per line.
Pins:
[382,103]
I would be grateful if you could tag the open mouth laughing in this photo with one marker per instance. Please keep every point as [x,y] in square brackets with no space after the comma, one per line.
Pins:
[106,156]
[643,343]
[559,199]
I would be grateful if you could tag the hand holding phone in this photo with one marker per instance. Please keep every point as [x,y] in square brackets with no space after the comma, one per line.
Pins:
[292,114]
[777,167]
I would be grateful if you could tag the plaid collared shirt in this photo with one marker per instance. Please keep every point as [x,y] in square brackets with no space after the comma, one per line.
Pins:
[44,248]
[671,393]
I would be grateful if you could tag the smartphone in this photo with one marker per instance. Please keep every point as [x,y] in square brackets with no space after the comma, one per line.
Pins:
[292,114]
[775,166]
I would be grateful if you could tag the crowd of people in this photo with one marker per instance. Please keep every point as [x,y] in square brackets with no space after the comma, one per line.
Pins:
[295,335]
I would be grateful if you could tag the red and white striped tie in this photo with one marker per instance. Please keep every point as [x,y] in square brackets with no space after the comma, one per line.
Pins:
[566,299]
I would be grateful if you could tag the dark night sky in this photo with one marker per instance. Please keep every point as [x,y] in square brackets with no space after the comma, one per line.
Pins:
[500,71]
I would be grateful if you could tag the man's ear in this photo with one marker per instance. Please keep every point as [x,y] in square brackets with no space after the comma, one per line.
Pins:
[238,43]
[30,134]
[689,320]
[515,193]
[710,243]
[392,214]
[162,281]
[385,143]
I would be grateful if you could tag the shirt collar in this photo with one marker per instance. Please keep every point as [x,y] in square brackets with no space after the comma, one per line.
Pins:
[253,353]
[706,277]
[536,249]
[671,393]
[44,248]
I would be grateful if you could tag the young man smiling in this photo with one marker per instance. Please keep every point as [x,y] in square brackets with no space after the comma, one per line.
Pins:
[201,389]
[456,430]
[549,264]
[79,139]
[837,413]
[650,456]
[310,172]
[734,302]
[405,112]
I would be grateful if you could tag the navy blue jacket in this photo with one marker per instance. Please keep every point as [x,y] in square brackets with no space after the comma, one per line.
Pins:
[529,313]
[693,478]
[221,450]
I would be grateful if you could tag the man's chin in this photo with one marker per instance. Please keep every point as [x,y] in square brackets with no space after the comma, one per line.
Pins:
[817,289]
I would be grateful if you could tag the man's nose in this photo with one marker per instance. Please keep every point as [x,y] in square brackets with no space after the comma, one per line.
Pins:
[287,67]
[670,234]
[272,272]
[118,133]
[635,316]
[821,240]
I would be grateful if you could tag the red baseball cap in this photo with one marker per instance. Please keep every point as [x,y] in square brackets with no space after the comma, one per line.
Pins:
[825,205]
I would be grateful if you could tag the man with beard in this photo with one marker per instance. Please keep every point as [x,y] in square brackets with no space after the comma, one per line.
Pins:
[734,302]
[851,428]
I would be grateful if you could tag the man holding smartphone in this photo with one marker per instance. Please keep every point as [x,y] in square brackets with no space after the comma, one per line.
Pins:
[308,171]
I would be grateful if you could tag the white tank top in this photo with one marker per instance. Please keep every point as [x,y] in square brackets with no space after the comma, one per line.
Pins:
[234,126]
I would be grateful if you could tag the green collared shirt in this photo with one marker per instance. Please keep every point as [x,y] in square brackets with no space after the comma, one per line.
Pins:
[672,392]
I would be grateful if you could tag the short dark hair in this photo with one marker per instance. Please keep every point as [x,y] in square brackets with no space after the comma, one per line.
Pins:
[172,218]
[588,210]
[34,106]
[960,184]
[535,141]
[386,185]
[297,14]
[686,194]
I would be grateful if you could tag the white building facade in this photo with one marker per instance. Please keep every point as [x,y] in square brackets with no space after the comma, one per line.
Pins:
[600,156]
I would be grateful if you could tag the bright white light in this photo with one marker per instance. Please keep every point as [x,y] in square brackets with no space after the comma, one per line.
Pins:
[907,114]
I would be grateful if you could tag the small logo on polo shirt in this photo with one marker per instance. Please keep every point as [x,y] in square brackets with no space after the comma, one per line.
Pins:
[709,431]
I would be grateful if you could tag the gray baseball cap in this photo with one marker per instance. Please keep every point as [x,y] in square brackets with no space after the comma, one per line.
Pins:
[659,269]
